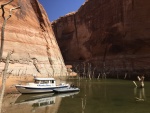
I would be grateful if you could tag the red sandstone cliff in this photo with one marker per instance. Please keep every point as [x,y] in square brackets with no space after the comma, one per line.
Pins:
[110,33]
[28,32]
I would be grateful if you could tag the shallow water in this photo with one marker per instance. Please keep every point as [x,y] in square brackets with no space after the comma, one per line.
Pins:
[95,96]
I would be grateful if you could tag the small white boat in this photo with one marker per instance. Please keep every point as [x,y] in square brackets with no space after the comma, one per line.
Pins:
[65,90]
[40,85]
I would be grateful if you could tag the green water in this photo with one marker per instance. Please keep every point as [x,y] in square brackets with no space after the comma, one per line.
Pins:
[95,96]
[108,96]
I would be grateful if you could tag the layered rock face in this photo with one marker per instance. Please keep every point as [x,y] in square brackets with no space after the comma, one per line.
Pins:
[29,34]
[111,34]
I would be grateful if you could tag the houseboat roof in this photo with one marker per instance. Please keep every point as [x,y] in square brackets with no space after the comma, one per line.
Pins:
[44,78]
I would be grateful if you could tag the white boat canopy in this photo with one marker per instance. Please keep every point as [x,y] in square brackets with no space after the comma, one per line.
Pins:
[44,79]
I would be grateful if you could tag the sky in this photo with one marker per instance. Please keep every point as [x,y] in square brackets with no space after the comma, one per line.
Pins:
[58,8]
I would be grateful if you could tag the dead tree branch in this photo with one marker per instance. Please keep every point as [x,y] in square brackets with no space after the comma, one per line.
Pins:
[4,24]
[2,7]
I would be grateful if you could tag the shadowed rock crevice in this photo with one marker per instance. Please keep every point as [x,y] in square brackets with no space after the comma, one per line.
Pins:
[37,10]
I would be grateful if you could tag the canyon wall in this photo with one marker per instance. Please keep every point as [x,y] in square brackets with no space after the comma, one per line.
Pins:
[28,33]
[113,35]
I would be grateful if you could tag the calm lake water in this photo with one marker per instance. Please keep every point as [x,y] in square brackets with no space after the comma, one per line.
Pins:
[95,96]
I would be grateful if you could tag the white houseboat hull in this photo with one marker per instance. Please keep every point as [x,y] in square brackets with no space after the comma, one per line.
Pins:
[40,85]
[29,90]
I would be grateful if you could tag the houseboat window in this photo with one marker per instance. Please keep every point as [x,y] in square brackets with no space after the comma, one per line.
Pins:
[37,81]
[52,81]
[44,82]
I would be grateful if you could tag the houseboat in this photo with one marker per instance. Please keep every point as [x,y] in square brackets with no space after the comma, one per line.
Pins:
[40,85]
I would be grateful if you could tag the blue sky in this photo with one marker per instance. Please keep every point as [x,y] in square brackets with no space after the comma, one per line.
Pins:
[57,8]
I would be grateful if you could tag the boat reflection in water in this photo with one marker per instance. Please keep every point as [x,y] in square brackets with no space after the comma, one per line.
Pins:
[39,100]
[36,99]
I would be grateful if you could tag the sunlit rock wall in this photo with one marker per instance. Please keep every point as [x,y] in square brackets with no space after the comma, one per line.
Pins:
[29,34]
[112,34]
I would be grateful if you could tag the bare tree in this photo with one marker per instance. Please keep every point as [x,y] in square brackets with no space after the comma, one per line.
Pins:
[99,75]
[94,72]
[89,70]
[4,77]
[141,80]
[4,23]
[84,70]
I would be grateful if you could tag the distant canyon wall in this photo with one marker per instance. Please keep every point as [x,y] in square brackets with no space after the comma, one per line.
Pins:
[111,34]
[29,34]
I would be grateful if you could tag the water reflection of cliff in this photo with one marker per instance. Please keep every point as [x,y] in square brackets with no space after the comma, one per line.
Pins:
[39,103]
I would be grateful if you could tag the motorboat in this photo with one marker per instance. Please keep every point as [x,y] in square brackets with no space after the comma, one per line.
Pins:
[66,89]
[40,85]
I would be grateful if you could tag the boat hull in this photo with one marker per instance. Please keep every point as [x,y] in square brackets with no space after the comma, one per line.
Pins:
[33,90]
[65,90]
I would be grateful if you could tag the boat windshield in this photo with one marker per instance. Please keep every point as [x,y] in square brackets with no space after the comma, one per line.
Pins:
[44,82]
[51,81]
[37,81]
